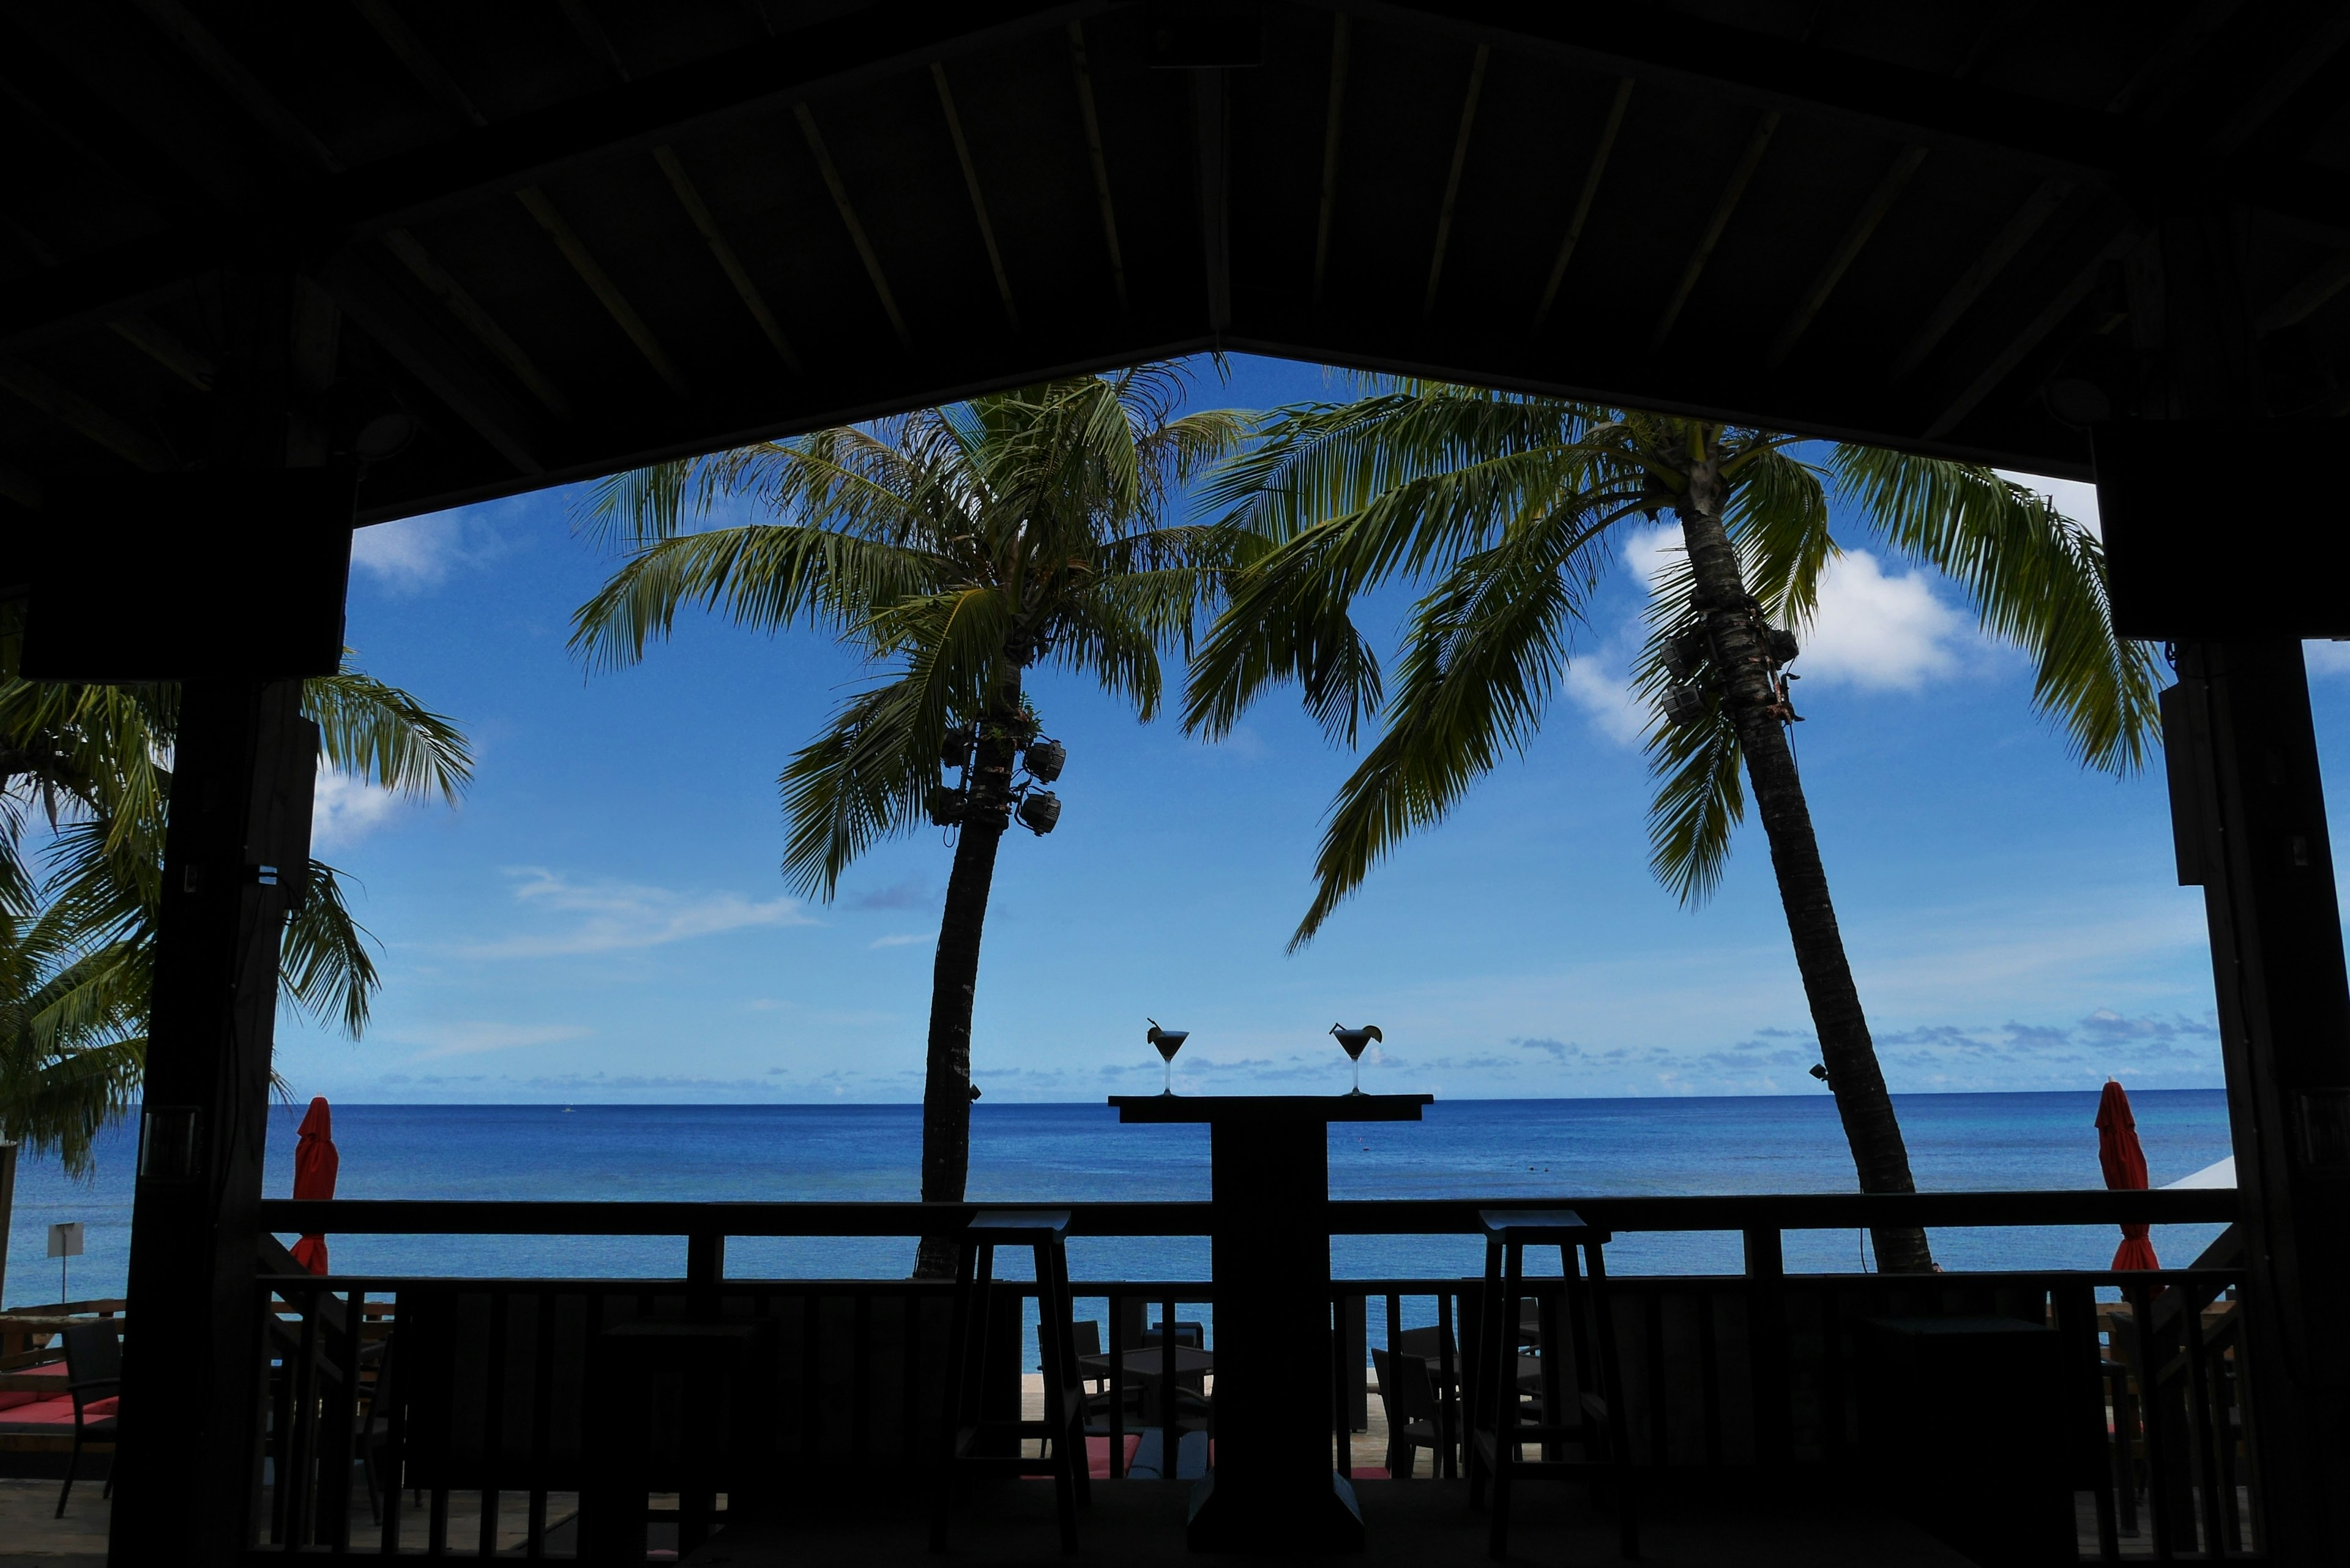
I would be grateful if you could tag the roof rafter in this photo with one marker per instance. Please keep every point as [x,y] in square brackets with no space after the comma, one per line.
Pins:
[1732,192]
[416,344]
[1591,177]
[421,63]
[509,154]
[978,201]
[2303,300]
[475,319]
[1211,134]
[1452,176]
[1848,251]
[85,418]
[2011,352]
[1341,25]
[1791,76]
[600,283]
[728,262]
[1101,164]
[229,73]
[865,252]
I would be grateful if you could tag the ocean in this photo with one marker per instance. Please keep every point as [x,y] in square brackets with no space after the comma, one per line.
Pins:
[1519,1150]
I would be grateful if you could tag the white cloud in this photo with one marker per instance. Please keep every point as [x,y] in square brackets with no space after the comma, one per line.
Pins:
[1616,711]
[1651,550]
[897,939]
[472,1039]
[1877,632]
[2074,498]
[413,555]
[613,916]
[344,810]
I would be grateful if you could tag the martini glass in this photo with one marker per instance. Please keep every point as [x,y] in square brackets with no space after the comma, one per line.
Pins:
[1169,1041]
[1352,1042]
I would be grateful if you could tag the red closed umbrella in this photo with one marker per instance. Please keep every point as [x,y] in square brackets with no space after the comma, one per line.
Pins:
[316,1162]
[2125,1167]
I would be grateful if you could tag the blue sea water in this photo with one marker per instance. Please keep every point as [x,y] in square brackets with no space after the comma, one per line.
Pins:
[1521,1149]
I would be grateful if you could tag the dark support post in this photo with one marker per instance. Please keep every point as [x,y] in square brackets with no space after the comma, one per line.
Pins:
[2250,811]
[8,1212]
[1767,1307]
[187,1470]
[235,850]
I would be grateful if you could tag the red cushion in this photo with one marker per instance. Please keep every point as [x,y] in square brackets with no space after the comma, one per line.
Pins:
[54,1415]
[1097,1454]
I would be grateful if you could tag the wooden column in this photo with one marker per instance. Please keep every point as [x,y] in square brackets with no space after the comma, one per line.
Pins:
[188,1470]
[2250,809]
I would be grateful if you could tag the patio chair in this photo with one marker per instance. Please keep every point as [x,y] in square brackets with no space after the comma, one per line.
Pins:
[94,1380]
[1595,1422]
[1415,1415]
[971,1442]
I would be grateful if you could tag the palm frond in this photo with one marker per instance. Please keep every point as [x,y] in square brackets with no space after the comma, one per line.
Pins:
[324,970]
[380,733]
[862,780]
[2036,580]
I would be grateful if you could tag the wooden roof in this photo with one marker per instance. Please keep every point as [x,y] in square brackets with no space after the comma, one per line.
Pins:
[572,235]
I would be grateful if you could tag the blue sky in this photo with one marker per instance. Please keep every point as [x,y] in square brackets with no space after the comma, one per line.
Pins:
[603,918]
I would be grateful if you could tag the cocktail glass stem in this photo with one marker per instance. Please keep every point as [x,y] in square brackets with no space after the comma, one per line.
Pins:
[1170,1074]
[1358,1075]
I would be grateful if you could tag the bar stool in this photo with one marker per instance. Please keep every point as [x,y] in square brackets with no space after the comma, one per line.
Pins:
[973,1443]
[1599,1428]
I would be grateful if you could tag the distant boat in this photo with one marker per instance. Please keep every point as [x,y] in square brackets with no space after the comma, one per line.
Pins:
[567,1110]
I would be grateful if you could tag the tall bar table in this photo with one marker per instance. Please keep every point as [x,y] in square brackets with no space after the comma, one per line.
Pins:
[1273,1488]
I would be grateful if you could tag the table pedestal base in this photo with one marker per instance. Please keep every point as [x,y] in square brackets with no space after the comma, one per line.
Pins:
[1274,1523]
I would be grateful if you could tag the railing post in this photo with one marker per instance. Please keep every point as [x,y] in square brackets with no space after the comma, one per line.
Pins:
[1769,1352]
[705,1271]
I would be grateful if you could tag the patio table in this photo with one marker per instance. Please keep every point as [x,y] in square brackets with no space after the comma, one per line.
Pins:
[1273,1487]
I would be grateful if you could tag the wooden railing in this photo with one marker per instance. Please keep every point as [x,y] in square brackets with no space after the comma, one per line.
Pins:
[484,1389]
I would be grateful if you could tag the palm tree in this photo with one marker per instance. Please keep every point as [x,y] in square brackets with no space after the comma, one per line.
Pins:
[956,548]
[1510,509]
[78,907]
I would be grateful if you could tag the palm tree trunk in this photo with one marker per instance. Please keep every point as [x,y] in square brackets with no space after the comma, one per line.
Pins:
[954,979]
[1735,628]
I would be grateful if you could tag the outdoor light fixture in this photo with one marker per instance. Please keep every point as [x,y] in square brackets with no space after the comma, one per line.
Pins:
[1684,653]
[1046,759]
[1820,1071]
[1167,1041]
[946,805]
[1040,811]
[384,437]
[1352,1041]
[1681,704]
[954,749]
[1781,644]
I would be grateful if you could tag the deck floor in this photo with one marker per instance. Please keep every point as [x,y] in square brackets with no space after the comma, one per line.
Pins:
[1409,1524]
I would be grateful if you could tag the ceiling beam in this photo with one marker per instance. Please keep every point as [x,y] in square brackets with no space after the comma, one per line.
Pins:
[1452,177]
[1848,251]
[416,343]
[1732,192]
[143,333]
[1084,79]
[470,315]
[689,197]
[978,201]
[1591,177]
[600,283]
[1335,122]
[1789,76]
[503,157]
